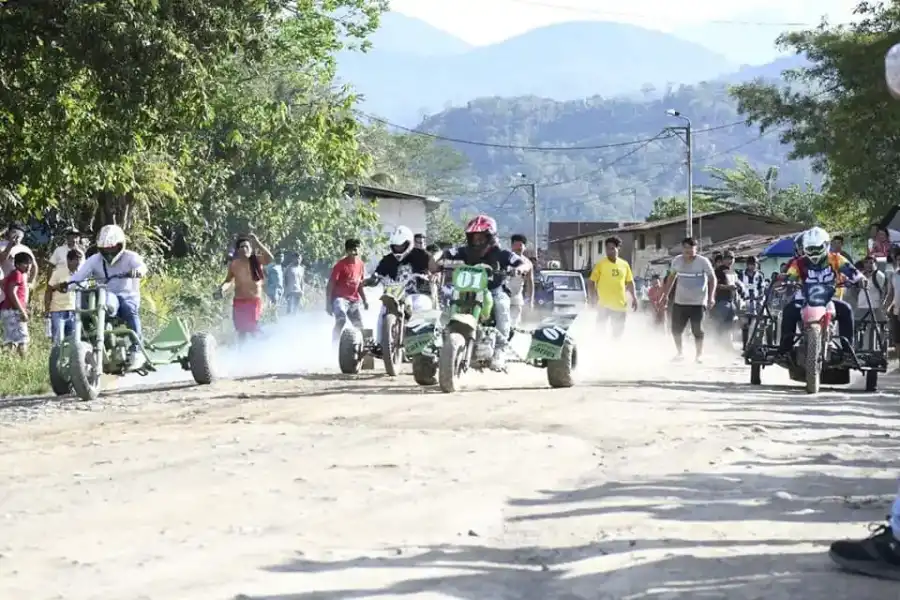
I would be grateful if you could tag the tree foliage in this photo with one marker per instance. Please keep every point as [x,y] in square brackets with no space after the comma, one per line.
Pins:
[205,117]
[841,117]
[746,188]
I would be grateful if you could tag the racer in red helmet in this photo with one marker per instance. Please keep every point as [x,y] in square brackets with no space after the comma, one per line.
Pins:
[482,249]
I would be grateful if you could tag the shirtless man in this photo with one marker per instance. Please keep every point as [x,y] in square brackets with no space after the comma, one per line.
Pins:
[245,271]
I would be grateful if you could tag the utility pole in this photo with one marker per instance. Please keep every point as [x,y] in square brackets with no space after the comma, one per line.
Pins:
[532,207]
[688,142]
[532,190]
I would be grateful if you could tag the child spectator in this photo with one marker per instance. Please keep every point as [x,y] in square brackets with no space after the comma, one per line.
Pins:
[14,307]
[60,306]
[293,282]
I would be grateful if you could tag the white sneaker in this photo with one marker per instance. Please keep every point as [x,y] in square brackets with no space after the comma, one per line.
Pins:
[498,362]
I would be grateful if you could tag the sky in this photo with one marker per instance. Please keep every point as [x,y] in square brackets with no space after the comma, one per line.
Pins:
[482,22]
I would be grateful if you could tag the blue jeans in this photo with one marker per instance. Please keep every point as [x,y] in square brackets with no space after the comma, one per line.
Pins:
[61,325]
[723,312]
[126,308]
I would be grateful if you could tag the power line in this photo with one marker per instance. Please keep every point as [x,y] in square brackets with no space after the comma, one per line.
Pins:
[633,187]
[483,144]
[617,13]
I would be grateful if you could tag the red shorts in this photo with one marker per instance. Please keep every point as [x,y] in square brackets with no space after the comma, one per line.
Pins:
[246,315]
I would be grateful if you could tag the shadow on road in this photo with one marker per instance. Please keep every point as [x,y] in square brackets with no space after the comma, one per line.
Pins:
[752,570]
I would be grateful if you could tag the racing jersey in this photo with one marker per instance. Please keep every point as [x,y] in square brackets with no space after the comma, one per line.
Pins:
[829,273]
[498,259]
[753,289]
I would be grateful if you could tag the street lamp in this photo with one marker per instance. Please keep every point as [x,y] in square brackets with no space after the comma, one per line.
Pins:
[690,166]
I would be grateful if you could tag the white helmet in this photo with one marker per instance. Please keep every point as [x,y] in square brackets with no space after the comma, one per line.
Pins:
[815,244]
[111,243]
[401,242]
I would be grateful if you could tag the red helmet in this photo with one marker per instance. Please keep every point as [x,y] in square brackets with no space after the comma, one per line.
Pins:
[481,233]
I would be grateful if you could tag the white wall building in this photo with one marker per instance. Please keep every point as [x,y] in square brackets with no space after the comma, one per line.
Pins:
[396,208]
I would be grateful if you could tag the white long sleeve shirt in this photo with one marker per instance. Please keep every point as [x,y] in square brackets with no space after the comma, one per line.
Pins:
[96,268]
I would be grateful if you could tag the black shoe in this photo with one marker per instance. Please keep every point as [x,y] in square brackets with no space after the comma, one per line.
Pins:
[877,555]
[376,350]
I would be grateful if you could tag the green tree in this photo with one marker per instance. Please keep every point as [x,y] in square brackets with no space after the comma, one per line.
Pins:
[443,227]
[674,206]
[759,192]
[837,111]
[115,110]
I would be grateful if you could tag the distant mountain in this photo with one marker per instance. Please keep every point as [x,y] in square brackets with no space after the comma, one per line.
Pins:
[567,61]
[770,71]
[398,33]
[607,183]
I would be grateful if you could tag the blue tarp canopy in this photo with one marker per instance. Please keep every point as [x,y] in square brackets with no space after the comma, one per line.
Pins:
[782,247]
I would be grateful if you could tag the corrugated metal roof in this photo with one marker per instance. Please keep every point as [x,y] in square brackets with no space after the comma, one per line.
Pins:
[651,225]
[380,192]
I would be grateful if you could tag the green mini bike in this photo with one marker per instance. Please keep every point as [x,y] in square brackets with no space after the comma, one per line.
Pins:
[100,345]
[443,346]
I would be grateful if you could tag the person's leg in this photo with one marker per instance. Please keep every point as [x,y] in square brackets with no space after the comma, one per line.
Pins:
[602,319]
[877,555]
[617,320]
[355,314]
[515,314]
[69,323]
[895,333]
[790,318]
[502,324]
[696,317]
[129,312]
[844,316]
[378,323]
[339,308]
[680,316]
[57,325]
[745,330]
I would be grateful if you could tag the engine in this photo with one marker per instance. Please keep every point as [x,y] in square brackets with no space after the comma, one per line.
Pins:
[484,345]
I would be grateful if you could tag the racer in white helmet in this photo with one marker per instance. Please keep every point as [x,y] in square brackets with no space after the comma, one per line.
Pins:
[818,265]
[121,269]
[404,258]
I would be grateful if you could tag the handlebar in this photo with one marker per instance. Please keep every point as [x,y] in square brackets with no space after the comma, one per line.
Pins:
[95,282]
[453,263]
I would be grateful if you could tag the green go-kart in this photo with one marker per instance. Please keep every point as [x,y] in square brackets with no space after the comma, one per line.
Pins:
[100,344]
[443,346]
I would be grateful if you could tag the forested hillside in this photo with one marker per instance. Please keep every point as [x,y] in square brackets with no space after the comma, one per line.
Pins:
[604,165]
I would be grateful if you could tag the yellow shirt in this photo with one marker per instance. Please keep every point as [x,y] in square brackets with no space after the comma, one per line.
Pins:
[610,279]
[60,302]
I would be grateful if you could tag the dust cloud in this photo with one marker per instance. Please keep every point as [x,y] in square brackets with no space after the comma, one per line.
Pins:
[301,343]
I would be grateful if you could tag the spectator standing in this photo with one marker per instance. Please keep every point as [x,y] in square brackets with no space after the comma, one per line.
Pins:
[60,256]
[294,273]
[14,306]
[60,306]
[275,279]
[11,246]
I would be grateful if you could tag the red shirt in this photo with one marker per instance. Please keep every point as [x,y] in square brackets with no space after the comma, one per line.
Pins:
[346,276]
[18,282]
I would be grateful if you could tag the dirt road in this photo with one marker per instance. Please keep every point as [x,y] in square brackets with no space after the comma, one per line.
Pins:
[326,487]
